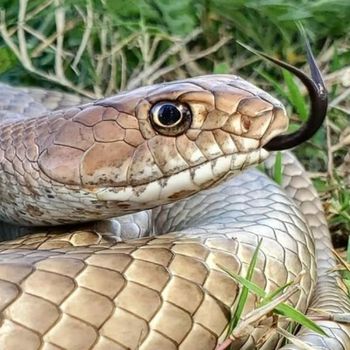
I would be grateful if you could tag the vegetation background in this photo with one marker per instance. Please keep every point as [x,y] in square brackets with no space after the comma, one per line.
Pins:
[98,47]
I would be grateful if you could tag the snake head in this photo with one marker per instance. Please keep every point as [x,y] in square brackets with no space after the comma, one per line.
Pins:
[162,142]
[136,150]
[189,135]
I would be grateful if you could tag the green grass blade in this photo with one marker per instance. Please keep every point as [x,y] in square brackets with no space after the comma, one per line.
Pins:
[221,68]
[276,85]
[251,286]
[291,330]
[292,313]
[277,168]
[282,309]
[275,293]
[347,284]
[244,292]
[295,97]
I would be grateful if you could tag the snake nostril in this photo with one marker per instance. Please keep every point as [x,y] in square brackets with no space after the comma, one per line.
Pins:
[246,123]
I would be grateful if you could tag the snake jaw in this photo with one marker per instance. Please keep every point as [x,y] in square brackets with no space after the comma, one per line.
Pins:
[182,184]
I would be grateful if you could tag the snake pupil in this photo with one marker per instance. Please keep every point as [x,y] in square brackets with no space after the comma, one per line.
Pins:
[170,118]
[169,115]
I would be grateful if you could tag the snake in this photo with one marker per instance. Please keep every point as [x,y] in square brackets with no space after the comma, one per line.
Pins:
[133,208]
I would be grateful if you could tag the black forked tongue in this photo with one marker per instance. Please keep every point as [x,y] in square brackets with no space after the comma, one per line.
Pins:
[318,101]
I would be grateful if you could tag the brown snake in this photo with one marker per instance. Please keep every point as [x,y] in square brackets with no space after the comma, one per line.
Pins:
[80,288]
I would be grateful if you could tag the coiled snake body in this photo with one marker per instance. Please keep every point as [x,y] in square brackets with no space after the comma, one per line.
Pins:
[80,288]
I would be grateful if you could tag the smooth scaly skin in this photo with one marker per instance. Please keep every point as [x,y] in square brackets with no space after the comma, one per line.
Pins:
[163,292]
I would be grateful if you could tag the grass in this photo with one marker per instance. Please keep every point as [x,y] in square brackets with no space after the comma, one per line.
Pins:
[344,268]
[237,325]
[244,292]
[277,173]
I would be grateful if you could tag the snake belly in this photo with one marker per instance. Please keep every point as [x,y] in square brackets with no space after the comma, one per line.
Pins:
[78,288]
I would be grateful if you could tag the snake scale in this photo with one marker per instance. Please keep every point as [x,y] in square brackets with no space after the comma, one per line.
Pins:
[151,278]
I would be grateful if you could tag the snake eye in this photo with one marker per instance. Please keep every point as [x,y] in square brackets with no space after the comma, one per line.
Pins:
[170,118]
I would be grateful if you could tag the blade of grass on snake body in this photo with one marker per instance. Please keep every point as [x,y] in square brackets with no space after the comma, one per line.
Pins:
[244,292]
[291,328]
[277,168]
[275,293]
[282,309]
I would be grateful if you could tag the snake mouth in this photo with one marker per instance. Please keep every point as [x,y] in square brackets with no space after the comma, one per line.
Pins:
[186,182]
[318,101]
